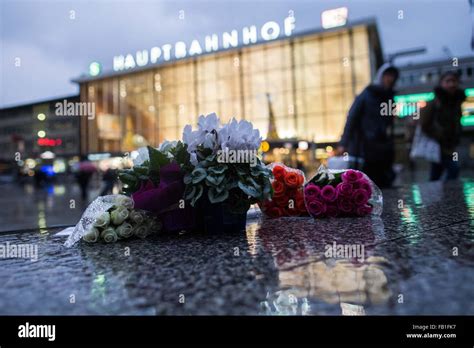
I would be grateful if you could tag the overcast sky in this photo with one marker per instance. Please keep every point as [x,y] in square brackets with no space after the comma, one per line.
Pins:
[53,48]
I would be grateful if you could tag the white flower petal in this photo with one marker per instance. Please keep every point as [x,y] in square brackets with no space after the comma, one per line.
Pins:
[141,157]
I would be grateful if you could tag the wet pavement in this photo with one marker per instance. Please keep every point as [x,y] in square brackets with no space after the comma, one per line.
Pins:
[56,204]
[418,258]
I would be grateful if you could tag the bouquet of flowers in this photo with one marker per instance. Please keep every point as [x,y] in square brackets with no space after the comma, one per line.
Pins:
[207,181]
[147,164]
[332,193]
[155,183]
[111,218]
[224,166]
[288,197]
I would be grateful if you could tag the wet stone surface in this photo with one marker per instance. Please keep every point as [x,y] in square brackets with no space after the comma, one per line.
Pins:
[418,259]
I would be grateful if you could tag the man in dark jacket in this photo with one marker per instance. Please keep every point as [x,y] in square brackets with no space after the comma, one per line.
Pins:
[368,134]
[441,121]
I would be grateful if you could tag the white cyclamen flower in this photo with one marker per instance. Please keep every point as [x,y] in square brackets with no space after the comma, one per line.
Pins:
[209,141]
[208,123]
[235,135]
[191,138]
[239,136]
[166,146]
[193,159]
[141,156]
[204,135]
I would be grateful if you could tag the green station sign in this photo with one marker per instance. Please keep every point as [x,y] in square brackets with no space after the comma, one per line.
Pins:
[411,99]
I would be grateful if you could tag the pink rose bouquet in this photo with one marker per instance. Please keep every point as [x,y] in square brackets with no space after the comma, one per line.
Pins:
[333,193]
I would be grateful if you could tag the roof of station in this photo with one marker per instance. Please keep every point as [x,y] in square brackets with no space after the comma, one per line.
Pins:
[370,23]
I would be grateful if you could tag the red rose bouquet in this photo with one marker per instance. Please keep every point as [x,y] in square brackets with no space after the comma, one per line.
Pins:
[288,197]
[332,193]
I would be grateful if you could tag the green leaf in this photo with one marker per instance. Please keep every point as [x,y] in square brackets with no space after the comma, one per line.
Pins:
[337,179]
[206,164]
[267,189]
[198,175]
[127,178]
[218,169]
[320,179]
[256,170]
[197,195]
[199,191]
[141,170]
[231,184]
[222,187]
[248,190]
[217,197]
[242,169]
[213,180]
[252,182]
[210,158]
[188,178]
[157,159]
[189,192]
[180,153]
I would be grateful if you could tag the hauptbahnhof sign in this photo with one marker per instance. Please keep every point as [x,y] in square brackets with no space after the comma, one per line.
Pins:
[270,30]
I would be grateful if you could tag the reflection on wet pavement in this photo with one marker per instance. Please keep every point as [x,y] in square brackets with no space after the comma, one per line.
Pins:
[27,206]
[417,259]
[308,273]
[341,282]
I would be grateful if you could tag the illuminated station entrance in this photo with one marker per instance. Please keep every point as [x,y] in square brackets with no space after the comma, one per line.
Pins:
[307,81]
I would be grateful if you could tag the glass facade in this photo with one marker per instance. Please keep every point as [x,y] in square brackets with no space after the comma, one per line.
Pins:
[311,81]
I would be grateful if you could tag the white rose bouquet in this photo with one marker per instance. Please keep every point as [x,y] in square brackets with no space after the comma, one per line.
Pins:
[112,218]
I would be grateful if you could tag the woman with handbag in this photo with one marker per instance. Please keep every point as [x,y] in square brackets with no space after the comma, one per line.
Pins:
[441,121]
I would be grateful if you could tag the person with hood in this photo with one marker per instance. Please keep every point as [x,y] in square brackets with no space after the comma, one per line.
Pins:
[368,133]
[440,120]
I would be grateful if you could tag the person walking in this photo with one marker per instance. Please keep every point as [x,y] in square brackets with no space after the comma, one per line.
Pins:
[368,133]
[109,178]
[440,120]
[85,170]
